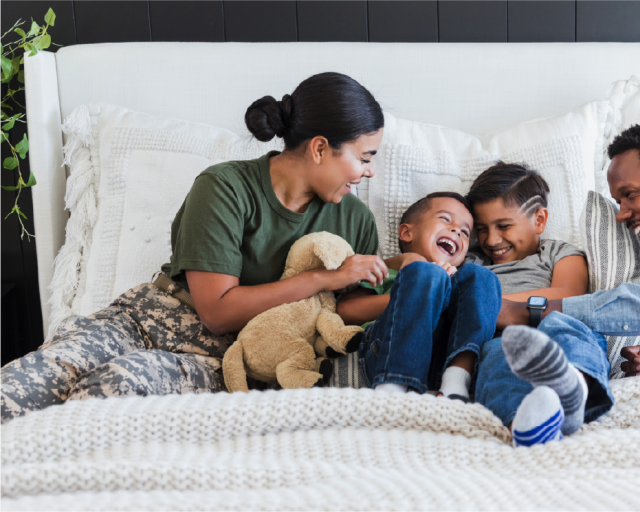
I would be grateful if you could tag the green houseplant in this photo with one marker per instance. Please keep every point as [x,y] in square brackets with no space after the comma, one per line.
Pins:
[13,55]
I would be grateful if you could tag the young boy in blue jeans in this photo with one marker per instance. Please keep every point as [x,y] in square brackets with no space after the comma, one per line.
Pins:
[570,374]
[428,315]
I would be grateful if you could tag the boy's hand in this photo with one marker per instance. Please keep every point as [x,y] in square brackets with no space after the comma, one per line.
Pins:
[410,257]
[448,267]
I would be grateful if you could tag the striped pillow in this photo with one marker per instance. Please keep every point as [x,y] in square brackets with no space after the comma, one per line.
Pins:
[613,257]
[347,373]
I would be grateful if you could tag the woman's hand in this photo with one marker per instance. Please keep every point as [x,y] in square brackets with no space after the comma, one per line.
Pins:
[355,269]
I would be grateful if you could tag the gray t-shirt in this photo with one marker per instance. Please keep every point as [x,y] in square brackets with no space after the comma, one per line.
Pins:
[531,273]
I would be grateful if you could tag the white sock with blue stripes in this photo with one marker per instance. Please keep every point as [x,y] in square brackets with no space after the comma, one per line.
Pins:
[539,418]
[536,358]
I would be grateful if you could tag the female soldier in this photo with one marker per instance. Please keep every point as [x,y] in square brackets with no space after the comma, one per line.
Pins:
[229,241]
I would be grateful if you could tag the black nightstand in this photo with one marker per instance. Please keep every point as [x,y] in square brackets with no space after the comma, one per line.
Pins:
[10,329]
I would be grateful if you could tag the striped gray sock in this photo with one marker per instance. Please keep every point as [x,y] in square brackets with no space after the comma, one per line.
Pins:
[536,358]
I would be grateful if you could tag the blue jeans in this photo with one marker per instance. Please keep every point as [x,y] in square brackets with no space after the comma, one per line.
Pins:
[431,318]
[501,391]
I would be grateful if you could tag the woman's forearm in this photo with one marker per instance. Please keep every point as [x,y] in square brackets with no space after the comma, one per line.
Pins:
[233,310]
[360,310]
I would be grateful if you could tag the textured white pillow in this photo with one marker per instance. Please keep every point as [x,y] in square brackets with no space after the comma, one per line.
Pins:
[613,258]
[416,159]
[130,172]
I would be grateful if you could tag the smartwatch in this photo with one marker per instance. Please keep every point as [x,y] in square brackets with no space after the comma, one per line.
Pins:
[536,305]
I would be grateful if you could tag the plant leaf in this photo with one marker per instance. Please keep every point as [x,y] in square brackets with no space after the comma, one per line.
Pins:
[6,105]
[10,189]
[7,69]
[4,137]
[9,124]
[10,163]
[31,48]
[35,28]
[37,42]
[32,180]
[20,212]
[15,64]
[21,76]
[21,33]
[46,42]
[23,146]
[50,17]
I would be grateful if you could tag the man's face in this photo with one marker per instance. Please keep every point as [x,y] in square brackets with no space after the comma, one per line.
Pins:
[624,185]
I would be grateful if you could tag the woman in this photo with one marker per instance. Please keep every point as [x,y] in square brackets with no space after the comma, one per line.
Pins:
[229,241]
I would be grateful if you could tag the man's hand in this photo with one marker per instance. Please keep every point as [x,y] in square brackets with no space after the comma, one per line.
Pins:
[631,367]
[448,267]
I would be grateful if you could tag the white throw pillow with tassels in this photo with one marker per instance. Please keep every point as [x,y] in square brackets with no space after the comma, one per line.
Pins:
[130,173]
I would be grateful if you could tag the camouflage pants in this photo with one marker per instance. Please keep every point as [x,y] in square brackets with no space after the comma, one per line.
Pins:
[145,343]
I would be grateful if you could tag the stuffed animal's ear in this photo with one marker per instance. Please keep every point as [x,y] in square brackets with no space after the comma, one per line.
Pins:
[332,250]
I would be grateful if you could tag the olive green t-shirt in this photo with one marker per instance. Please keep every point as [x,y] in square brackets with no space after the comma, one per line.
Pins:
[232,222]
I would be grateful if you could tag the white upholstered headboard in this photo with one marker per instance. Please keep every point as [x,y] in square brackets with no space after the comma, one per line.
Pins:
[474,87]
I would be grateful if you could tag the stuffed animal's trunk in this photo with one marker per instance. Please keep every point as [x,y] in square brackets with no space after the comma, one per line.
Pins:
[235,376]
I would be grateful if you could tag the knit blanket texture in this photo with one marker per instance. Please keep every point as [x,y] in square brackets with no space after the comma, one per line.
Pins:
[319,449]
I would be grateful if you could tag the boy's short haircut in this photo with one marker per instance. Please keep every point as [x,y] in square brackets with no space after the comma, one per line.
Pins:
[515,184]
[413,213]
[628,139]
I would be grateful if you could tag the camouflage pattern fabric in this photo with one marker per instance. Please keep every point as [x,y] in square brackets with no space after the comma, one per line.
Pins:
[145,343]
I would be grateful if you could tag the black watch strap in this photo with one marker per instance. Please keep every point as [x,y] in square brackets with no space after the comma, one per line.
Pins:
[535,317]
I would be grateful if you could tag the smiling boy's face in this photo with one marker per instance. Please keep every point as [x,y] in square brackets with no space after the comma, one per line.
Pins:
[624,184]
[441,233]
[507,234]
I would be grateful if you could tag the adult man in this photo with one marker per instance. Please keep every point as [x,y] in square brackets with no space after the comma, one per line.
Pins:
[559,372]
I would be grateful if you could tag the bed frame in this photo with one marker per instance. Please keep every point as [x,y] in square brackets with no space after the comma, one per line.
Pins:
[478,88]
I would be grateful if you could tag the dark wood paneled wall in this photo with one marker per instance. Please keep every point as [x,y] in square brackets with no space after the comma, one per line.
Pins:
[83,21]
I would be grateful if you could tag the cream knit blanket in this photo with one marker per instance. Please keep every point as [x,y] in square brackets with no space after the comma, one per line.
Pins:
[320,449]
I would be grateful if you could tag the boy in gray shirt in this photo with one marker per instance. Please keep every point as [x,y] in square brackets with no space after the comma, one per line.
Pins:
[509,204]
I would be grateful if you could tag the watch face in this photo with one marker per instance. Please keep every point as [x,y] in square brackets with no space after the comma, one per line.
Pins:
[537,301]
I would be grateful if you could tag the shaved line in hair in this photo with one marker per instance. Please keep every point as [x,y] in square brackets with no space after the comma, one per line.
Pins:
[531,205]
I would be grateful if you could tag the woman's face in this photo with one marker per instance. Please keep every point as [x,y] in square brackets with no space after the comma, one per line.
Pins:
[339,170]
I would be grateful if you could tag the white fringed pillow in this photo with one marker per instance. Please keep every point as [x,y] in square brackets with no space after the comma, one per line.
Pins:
[613,258]
[416,159]
[130,172]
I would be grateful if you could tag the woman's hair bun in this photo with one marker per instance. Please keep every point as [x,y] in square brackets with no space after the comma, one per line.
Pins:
[267,118]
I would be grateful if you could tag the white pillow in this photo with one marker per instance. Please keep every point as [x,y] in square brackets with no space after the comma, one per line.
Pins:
[130,173]
[613,258]
[416,159]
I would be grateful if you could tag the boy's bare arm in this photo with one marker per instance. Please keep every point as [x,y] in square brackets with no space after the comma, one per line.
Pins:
[570,278]
[361,306]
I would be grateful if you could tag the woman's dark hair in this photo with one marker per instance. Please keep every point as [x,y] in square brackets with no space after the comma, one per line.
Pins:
[628,139]
[332,105]
[515,184]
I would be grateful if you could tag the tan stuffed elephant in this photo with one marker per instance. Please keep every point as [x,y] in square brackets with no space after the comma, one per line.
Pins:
[280,345]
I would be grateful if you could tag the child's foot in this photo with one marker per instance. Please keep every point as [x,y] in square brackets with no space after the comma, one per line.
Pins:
[536,358]
[539,418]
[455,383]
[390,387]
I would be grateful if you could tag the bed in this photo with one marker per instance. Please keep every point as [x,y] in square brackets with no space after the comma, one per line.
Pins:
[323,448]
